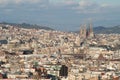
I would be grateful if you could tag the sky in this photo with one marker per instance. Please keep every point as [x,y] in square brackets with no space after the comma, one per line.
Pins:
[65,15]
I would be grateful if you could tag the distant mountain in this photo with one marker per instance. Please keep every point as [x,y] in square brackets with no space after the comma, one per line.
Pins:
[105,30]
[28,26]
[99,28]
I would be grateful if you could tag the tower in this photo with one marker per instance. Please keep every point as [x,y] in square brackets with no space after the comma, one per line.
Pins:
[91,34]
[86,31]
[83,31]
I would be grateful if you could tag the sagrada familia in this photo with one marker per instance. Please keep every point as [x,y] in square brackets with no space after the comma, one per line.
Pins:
[86,31]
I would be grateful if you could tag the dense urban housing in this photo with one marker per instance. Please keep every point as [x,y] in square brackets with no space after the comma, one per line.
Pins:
[38,54]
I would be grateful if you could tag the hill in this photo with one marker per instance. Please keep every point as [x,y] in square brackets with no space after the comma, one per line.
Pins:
[28,26]
[107,30]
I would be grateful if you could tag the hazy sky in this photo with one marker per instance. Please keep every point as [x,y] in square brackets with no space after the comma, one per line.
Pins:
[61,14]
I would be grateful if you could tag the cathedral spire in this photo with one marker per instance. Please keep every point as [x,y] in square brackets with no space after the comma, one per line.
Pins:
[91,29]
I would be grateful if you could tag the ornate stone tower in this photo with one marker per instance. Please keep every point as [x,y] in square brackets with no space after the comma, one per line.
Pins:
[86,31]
[91,34]
[83,31]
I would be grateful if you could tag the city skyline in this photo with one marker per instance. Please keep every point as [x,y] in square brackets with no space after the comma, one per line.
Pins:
[61,14]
